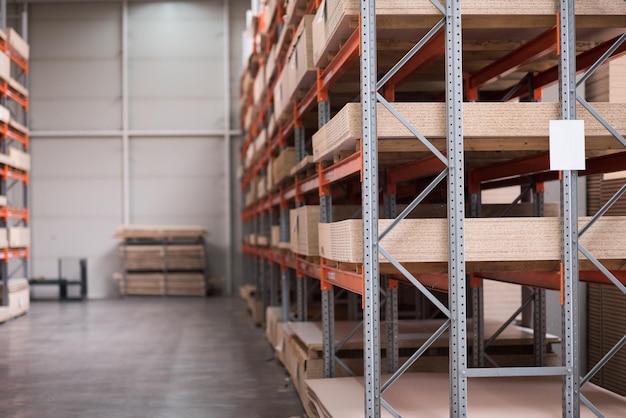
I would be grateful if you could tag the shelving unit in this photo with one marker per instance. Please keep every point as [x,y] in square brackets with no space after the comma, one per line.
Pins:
[14,163]
[444,108]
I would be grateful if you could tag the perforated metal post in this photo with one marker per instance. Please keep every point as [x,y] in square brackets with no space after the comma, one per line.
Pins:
[301,298]
[354,306]
[478,311]
[274,267]
[328,294]
[285,276]
[369,192]
[391,300]
[328,302]
[478,326]
[569,216]
[456,210]
[539,299]
[299,141]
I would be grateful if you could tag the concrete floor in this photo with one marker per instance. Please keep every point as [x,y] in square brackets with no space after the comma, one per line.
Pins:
[141,357]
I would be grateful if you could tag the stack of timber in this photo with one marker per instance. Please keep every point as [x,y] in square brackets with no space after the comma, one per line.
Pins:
[427,395]
[19,299]
[248,293]
[162,260]
[299,347]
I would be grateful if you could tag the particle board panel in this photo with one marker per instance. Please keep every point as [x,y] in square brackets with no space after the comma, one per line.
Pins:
[259,85]
[303,230]
[281,167]
[300,63]
[184,251]
[5,67]
[3,200]
[19,159]
[19,237]
[5,115]
[17,86]
[282,100]
[336,19]
[19,299]
[486,126]
[427,395]
[16,125]
[259,144]
[179,284]
[411,334]
[270,66]
[246,291]
[486,240]
[305,163]
[275,236]
[20,45]
[160,232]
[273,319]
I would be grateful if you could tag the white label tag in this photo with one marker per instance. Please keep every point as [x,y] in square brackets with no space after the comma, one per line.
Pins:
[567,145]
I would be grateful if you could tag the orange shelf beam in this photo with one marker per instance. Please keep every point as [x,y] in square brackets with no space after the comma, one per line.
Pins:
[430,51]
[425,167]
[10,253]
[17,58]
[18,136]
[547,279]
[17,97]
[584,60]
[13,213]
[344,168]
[536,48]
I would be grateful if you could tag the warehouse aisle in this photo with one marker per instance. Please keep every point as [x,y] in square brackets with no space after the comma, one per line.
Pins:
[152,357]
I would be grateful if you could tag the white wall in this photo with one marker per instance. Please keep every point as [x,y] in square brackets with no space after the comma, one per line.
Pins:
[177,116]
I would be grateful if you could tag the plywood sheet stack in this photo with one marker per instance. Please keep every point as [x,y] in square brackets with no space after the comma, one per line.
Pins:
[426,395]
[19,299]
[303,348]
[523,240]
[161,260]
[303,233]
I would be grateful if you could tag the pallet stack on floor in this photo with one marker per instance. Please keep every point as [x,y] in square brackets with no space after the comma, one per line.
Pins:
[15,166]
[457,119]
[162,261]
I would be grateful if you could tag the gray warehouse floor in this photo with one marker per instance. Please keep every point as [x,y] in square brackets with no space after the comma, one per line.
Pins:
[141,357]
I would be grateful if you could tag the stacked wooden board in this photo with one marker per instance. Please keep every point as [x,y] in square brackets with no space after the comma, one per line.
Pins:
[19,299]
[299,347]
[247,292]
[162,260]
[426,395]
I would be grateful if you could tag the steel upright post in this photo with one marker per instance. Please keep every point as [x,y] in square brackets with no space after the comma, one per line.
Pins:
[539,297]
[284,273]
[369,192]
[391,300]
[569,216]
[456,210]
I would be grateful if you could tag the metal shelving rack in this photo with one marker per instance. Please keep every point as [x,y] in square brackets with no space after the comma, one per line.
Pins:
[14,182]
[259,262]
